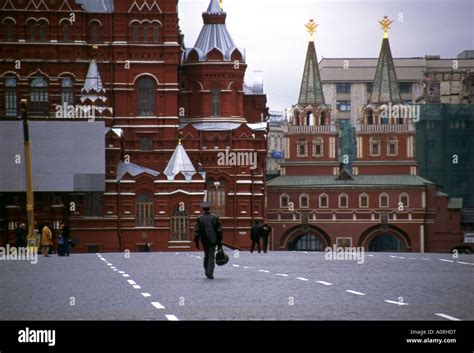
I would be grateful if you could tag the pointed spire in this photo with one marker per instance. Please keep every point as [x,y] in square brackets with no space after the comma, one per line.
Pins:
[215,7]
[385,87]
[93,92]
[93,81]
[180,163]
[214,35]
[311,91]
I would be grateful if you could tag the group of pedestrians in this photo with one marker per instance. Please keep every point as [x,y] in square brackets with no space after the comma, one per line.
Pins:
[260,233]
[46,238]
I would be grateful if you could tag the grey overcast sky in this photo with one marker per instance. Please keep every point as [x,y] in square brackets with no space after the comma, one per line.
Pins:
[273,34]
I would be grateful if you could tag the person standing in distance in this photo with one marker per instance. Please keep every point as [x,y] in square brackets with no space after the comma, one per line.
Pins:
[208,230]
[265,233]
[255,232]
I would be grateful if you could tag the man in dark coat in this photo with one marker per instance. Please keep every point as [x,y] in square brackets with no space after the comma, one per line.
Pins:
[265,233]
[21,234]
[208,230]
[255,236]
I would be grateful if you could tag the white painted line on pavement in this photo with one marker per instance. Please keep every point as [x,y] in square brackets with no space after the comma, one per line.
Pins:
[125,275]
[198,257]
[246,267]
[121,272]
[446,260]
[370,255]
[424,258]
[115,270]
[131,282]
[172,318]
[146,295]
[464,263]
[264,271]
[302,279]
[109,264]
[282,274]
[157,305]
[394,302]
[354,292]
[325,283]
[236,265]
[137,287]
[103,259]
[444,316]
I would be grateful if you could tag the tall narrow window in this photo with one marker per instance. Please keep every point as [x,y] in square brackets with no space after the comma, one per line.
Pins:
[156,34]
[135,33]
[32,31]
[216,102]
[364,201]
[374,147]
[146,96]
[323,201]
[216,195]
[304,201]
[9,28]
[42,30]
[284,201]
[343,201]
[39,97]
[144,212]
[67,95]
[318,147]
[179,226]
[94,28]
[66,31]
[302,149]
[145,34]
[10,97]
[383,200]
[392,148]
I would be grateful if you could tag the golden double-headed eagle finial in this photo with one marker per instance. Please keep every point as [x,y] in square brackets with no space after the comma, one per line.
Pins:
[385,25]
[220,4]
[311,28]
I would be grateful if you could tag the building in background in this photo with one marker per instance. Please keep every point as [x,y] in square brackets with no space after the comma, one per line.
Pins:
[276,126]
[376,201]
[164,116]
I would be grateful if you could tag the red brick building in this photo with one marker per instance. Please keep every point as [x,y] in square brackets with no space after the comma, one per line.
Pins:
[380,203]
[171,113]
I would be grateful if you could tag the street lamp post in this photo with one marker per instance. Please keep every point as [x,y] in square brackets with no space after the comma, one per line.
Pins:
[29,179]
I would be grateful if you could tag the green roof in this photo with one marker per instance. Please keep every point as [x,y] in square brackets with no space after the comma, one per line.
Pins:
[359,181]
[455,203]
[311,91]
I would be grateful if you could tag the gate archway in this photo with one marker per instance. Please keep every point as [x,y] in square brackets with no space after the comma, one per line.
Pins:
[300,239]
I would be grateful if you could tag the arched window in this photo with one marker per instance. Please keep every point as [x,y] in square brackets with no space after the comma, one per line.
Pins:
[343,201]
[156,34]
[302,148]
[31,30]
[135,33]
[39,97]
[383,200]
[296,119]
[94,31]
[146,96]
[10,97]
[304,201]
[374,147]
[369,117]
[9,30]
[322,118]
[284,201]
[144,211]
[216,102]
[146,33]
[392,147]
[67,95]
[404,201]
[216,195]
[66,31]
[323,201]
[179,226]
[318,147]
[363,200]
[42,30]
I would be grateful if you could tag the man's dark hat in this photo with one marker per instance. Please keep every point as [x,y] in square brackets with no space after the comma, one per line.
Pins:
[206,205]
